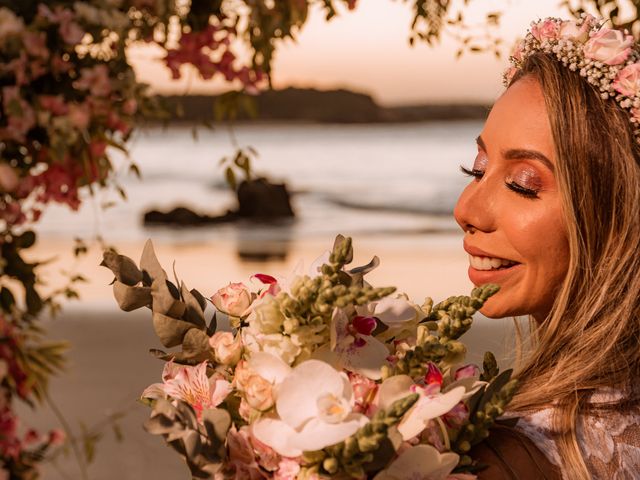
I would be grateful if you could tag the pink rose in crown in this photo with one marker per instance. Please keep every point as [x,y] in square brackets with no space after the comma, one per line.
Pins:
[545,30]
[570,30]
[609,46]
[628,80]
[234,299]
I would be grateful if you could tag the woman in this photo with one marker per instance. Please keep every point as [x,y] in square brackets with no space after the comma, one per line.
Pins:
[553,217]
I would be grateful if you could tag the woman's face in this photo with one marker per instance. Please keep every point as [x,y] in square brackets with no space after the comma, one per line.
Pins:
[511,211]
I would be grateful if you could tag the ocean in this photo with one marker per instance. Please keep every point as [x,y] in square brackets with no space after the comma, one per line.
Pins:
[361,180]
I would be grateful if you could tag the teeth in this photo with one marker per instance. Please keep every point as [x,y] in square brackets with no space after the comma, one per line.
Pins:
[488,263]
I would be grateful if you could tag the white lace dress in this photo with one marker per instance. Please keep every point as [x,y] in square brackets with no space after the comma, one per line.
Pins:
[610,441]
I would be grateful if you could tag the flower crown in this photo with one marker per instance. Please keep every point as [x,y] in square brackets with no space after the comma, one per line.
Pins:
[607,58]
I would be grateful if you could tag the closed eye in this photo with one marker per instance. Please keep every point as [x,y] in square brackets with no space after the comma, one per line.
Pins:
[477,174]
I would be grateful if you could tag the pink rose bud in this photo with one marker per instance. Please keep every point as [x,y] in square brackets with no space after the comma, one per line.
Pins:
[609,46]
[234,299]
[226,349]
[467,371]
[433,376]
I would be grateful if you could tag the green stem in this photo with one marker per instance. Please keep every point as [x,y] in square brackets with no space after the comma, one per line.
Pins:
[67,430]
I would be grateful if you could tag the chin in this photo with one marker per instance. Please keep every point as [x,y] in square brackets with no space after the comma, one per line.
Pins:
[495,308]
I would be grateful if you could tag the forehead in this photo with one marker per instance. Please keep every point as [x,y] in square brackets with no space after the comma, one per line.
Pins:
[519,120]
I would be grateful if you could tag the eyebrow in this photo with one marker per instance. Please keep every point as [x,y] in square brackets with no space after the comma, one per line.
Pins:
[520,154]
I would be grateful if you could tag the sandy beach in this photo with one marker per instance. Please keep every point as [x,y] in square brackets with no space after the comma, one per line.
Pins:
[109,363]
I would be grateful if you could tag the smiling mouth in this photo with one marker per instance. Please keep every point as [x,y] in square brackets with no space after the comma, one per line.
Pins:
[490,263]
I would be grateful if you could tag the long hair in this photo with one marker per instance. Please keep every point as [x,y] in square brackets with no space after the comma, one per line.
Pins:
[590,339]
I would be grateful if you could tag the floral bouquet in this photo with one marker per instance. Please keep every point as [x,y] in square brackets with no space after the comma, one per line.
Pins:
[317,376]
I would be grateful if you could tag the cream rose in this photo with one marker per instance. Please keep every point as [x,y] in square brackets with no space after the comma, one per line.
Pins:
[234,299]
[609,46]
[227,349]
[259,393]
[266,316]
[628,80]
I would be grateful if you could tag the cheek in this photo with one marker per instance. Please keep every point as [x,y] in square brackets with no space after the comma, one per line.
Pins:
[539,236]
[538,233]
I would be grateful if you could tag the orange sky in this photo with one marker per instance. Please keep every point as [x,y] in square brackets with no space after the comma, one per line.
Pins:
[367,50]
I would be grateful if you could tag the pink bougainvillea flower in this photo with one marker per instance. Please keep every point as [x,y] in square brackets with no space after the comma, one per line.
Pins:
[191,385]
[273,286]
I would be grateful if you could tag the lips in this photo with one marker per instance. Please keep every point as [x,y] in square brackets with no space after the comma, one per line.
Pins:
[485,267]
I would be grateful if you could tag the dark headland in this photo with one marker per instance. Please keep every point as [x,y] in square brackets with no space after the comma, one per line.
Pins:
[321,106]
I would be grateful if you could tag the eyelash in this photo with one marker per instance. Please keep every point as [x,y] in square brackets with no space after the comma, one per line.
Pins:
[519,189]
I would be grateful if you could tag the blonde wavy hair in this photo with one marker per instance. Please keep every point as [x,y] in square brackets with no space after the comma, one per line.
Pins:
[591,337]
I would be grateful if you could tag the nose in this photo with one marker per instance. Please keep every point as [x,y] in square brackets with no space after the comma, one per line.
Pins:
[473,211]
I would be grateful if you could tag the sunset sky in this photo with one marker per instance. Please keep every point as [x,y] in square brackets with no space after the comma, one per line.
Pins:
[367,50]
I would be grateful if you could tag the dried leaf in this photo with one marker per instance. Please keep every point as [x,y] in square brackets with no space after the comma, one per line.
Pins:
[193,312]
[195,344]
[131,298]
[169,330]
[125,269]
[164,301]
[217,422]
[149,262]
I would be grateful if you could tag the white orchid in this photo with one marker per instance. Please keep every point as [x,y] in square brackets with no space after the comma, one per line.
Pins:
[422,462]
[314,404]
[431,404]
[400,315]
[352,347]
[467,376]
